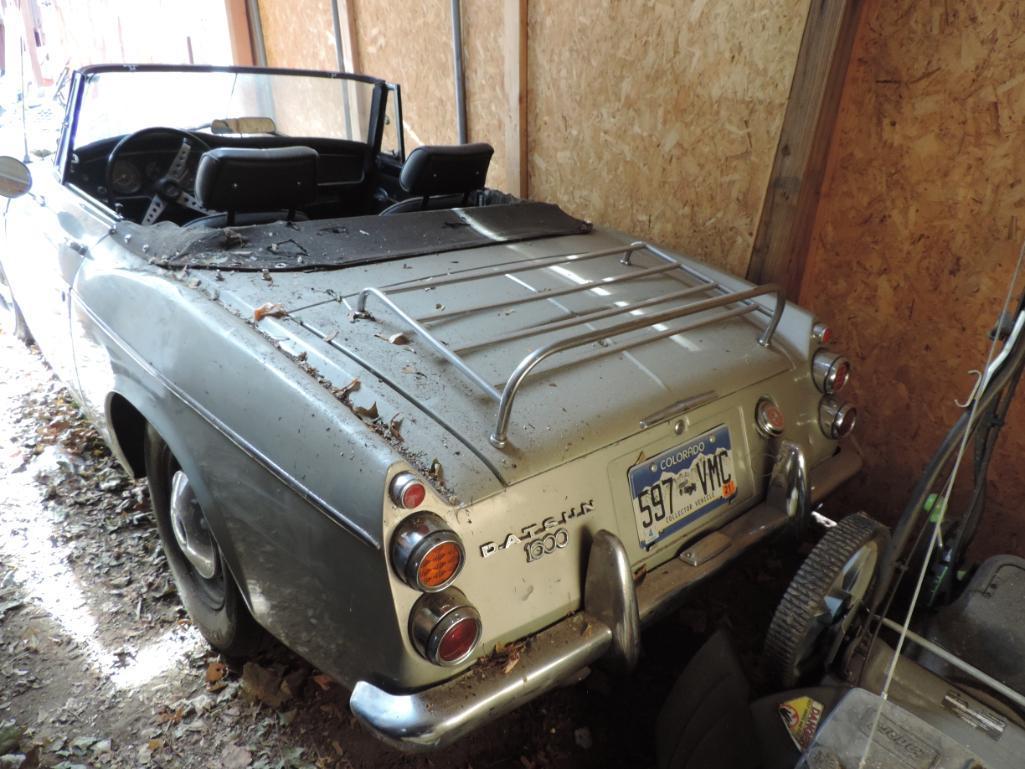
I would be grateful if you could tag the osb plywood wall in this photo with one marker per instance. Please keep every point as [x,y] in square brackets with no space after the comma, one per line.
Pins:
[661,118]
[484,66]
[298,33]
[918,230]
[409,43]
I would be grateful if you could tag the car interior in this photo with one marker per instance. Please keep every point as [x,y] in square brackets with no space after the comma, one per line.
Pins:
[201,180]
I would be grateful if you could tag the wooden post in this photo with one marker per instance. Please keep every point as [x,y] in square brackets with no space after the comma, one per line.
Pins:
[788,211]
[347,24]
[239,32]
[515,46]
[29,24]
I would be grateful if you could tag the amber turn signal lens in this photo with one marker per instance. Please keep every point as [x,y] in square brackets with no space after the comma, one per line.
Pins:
[425,552]
[440,565]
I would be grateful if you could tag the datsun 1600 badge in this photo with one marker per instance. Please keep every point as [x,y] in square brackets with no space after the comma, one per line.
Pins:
[539,540]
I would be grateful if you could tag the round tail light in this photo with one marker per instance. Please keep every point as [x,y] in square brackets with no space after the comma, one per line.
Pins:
[444,627]
[822,333]
[769,418]
[830,371]
[835,418]
[426,553]
[407,491]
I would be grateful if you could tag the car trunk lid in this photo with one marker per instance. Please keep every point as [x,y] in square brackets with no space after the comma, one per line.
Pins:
[573,402]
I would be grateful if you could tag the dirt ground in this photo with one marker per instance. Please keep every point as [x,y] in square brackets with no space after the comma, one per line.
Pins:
[99,666]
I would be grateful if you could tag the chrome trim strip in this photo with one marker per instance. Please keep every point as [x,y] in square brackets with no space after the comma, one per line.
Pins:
[679,407]
[317,502]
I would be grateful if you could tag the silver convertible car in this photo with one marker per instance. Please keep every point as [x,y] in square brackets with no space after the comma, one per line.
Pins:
[452,446]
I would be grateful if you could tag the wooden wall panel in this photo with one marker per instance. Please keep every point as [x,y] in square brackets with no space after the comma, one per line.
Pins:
[298,33]
[409,43]
[487,107]
[661,118]
[919,226]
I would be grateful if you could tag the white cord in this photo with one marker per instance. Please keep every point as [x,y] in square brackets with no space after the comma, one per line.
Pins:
[934,539]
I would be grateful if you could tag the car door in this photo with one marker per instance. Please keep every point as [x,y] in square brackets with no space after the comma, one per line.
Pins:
[44,251]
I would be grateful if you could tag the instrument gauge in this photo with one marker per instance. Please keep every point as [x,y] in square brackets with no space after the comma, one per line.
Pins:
[125,178]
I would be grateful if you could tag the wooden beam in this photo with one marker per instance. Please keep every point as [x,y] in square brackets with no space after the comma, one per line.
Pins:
[29,37]
[515,51]
[788,211]
[239,32]
[347,30]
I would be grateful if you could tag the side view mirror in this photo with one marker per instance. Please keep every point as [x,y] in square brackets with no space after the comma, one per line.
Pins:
[15,178]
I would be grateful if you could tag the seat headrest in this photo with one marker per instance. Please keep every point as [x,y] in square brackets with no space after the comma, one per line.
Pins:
[446,169]
[249,179]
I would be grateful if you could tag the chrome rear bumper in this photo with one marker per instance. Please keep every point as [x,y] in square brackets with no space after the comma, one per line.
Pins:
[609,625]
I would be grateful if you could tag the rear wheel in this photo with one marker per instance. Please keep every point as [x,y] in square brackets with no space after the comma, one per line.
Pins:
[823,599]
[206,588]
[10,314]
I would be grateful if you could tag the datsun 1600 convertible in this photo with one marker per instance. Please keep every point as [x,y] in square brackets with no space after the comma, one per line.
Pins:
[391,416]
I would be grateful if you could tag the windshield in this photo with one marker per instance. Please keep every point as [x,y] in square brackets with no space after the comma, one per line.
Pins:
[121,102]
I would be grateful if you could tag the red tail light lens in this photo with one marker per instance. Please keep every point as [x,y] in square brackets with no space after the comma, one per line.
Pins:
[830,371]
[769,418]
[406,491]
[458,641]
[426,553]
[822,333]
[835,418]
[444,627]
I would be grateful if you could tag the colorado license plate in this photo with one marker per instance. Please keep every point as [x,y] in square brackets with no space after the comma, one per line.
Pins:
[679,486]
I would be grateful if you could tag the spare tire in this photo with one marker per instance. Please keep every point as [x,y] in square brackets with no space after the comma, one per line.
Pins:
[823,598]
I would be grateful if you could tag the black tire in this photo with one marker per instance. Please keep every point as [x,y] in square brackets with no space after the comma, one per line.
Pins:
[823,599]
[10,314]
[215,605]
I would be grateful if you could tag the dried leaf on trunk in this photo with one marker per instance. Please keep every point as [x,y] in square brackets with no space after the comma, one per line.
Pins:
[395,427]
[269,310]
[367,413]
[343,393]
[437,472]
[398,338]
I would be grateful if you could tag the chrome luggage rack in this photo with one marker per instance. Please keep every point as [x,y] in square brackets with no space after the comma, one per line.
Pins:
[505,397]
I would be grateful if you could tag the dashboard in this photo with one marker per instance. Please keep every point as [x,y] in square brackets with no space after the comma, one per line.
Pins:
[343,172]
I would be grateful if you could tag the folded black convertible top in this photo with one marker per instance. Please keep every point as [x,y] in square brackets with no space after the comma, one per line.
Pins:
[332,243]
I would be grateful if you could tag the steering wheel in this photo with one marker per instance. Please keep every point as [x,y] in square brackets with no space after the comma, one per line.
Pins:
[170,187]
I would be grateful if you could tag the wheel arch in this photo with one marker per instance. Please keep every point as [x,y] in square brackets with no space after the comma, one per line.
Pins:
[127,433]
